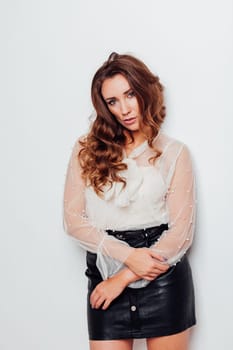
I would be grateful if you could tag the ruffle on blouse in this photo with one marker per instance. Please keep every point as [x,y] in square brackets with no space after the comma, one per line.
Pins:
[123,195]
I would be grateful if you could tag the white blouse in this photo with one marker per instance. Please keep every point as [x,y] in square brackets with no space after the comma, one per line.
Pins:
[163,192]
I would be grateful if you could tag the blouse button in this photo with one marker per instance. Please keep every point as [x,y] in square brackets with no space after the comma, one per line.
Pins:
[133,308]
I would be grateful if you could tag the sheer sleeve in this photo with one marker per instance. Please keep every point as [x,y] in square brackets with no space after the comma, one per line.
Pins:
[176,167]
[180,200]
[111,252]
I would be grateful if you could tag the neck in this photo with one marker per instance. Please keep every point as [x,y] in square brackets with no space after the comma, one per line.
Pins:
[138,138]
[130,145]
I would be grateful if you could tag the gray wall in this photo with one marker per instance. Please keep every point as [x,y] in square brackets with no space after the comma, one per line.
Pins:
[49,52]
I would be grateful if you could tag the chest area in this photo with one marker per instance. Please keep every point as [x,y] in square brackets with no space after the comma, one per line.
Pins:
[143,185]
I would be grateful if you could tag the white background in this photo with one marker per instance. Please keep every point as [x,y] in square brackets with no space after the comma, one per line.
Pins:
[49,53]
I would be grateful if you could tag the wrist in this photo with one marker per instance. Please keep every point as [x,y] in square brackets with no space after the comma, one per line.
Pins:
[129,276]
[130,257]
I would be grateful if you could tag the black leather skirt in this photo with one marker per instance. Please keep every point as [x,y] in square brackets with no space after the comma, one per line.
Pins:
[165,306]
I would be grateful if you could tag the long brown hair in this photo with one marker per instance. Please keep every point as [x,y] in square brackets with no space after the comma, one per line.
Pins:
[102,149]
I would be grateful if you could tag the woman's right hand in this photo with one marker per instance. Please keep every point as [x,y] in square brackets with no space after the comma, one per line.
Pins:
[146,264]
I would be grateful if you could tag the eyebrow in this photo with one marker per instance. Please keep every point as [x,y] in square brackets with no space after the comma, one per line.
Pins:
[112,98]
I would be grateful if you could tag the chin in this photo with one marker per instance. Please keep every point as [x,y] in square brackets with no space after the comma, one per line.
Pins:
[133,128]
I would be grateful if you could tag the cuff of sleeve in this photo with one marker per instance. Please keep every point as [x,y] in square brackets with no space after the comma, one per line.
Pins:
[118,250]
[139,284]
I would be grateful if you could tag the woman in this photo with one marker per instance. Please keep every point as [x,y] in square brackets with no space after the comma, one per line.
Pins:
[129,201]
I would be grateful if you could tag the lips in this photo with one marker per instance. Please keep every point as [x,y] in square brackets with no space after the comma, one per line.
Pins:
[129,121]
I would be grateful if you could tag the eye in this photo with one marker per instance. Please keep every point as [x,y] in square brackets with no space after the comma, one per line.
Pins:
[111,102]
[131,94]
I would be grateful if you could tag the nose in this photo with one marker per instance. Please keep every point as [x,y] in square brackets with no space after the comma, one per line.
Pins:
[125,108]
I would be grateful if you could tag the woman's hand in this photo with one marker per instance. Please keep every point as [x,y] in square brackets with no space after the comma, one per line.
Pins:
[146,264]
[106,291]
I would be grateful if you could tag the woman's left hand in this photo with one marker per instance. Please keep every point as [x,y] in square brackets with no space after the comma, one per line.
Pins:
[106,291]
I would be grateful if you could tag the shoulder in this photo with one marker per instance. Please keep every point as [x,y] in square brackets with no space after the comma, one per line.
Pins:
[78,144]
[175,157]
[80,141]
[167,139]
[165,142]
[172,149]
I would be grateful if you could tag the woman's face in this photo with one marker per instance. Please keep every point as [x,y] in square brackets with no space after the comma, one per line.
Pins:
[121,101]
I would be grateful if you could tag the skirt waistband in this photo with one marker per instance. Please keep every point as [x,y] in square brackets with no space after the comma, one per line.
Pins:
[142,237]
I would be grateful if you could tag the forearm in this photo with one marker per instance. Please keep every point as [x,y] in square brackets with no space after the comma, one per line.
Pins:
[126,276]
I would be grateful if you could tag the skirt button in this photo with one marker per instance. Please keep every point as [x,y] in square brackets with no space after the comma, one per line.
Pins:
[133,308]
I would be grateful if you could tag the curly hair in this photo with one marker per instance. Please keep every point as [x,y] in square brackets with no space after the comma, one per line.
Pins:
[101,154]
